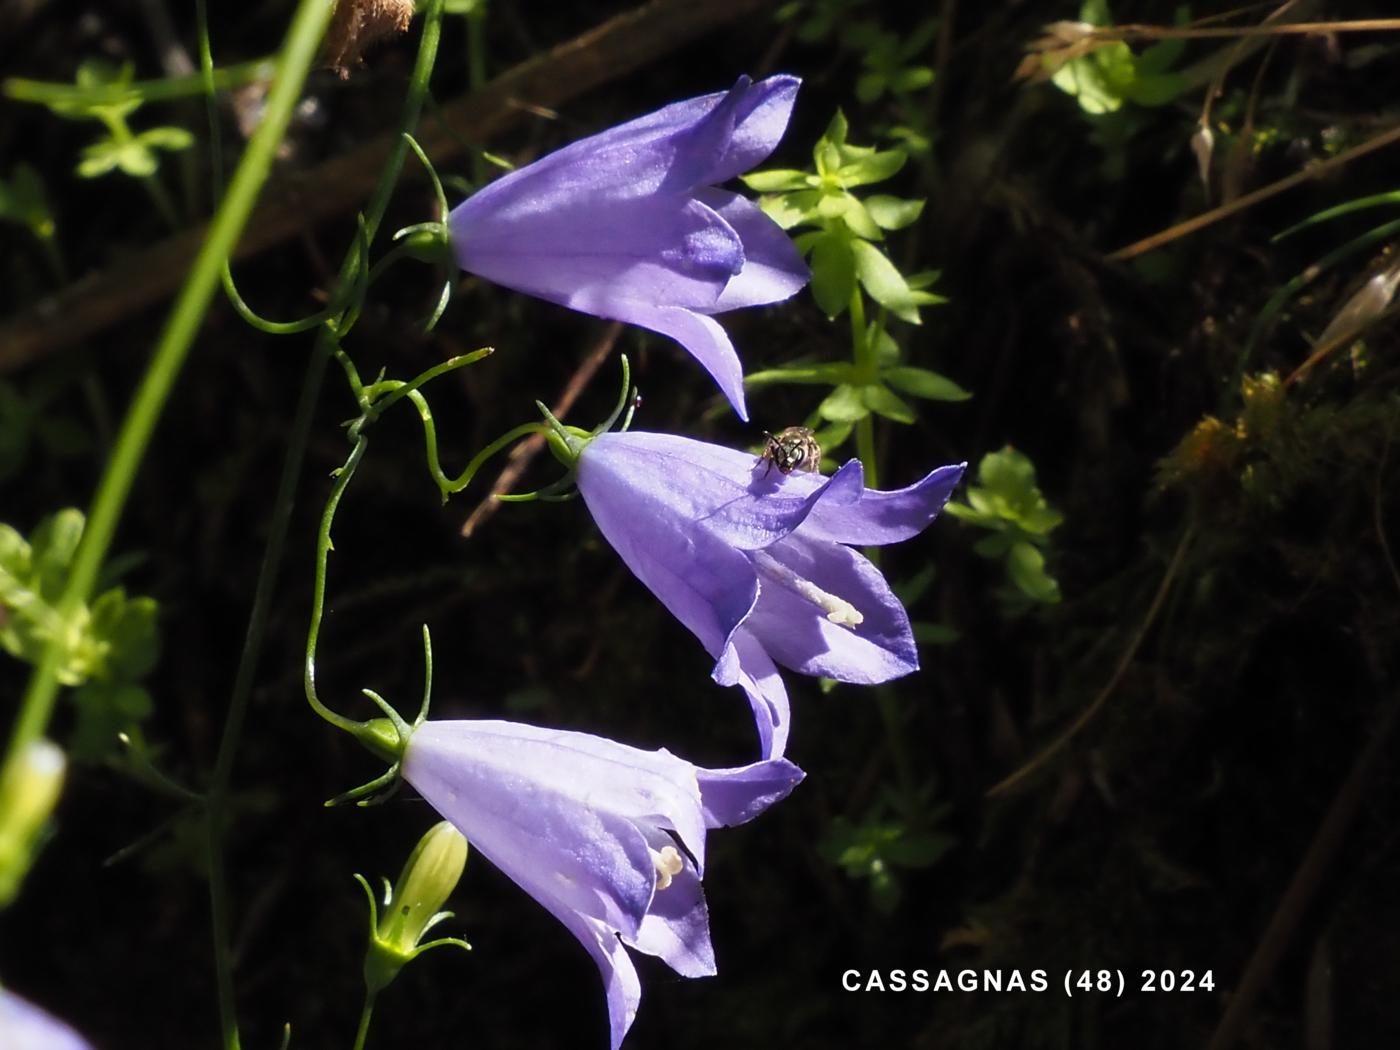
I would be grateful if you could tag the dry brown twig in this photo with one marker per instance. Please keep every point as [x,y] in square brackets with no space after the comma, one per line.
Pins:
[524,453]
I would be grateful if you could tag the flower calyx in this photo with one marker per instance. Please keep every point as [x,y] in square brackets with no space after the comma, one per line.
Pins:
[412,906]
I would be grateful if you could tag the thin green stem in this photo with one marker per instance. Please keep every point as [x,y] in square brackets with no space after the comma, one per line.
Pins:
[366,1015]
[46,93]
[185,318]
[348,281]
[318,588]
[447,485]
[160,196]
[863,354]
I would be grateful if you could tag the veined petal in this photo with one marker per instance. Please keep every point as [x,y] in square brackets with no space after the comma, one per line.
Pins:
[744,663]
[706,584]
[773,267]
[735,796]
[585,253]
[798,634]
[663,151]
[620,981]
[677,928]
[727,492]
[701,335]
[548,840]
[742,129]
[885,517]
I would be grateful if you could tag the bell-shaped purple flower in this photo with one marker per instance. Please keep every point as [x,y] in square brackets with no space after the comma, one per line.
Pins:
[628,224]
[23,1026]
[757,563]
[609,838]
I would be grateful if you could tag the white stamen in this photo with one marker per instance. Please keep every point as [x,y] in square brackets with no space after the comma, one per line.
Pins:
[838,610]
[668,865]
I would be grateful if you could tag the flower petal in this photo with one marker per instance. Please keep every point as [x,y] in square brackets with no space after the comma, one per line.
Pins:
[797,634]
[705,583]
[730,493]
[885,517]
[23,1026]
[702,336]
[620,981]
[735,796]
[548,839]
[773,267]
[744,663]
[688,144]
[585,253]
[736,134]
[677,928]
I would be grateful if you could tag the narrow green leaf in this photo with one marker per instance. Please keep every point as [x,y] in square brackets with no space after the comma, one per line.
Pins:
[884,401]
[843,405]
[776,180]
[893,213]
[833,272]
[921,382]
[884,283]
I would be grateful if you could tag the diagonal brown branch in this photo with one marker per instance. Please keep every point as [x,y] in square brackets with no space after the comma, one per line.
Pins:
[608,51]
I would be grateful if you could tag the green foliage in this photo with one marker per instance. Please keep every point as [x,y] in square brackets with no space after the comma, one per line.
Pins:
[842,248]
[1110,74]
[108,646]
[889,62]
[133,153]
[889,838]
[847,260]
[23,201]
[1009,505]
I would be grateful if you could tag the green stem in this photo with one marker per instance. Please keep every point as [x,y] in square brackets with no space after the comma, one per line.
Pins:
[863,354]
[326,343]
[185,318]
[366,1014]
[46,93]
[318,590]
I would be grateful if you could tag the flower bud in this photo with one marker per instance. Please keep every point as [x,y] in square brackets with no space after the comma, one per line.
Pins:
[412,908]
[28,792]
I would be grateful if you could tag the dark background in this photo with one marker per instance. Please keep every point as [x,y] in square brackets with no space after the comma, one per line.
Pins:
[1163,836]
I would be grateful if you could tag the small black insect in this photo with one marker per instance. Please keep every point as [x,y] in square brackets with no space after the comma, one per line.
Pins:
[792,448]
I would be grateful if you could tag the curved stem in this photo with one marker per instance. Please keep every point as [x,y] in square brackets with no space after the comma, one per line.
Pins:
[318,590]
[280,520]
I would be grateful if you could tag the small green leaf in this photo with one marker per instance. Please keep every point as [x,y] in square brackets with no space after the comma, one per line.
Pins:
[127,631]
[921,382]
[884,401]
[776,180]
[877,167]
[833,272]
[844,405]
[893,213]
[911,79]
[1026,567]
[823,375]
[884,283]
[791,209]
[166,138]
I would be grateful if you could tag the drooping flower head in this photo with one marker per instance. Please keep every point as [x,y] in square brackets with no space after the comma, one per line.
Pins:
[758,563]
[629,225]
[23,1026]
[609,838]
